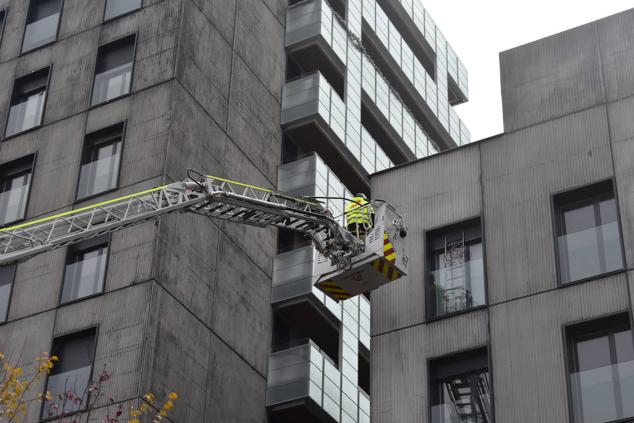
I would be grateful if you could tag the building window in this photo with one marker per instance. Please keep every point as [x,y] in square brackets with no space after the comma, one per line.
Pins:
[113,73]
[15,183]
[27,102]
[85,270]
[601,368]
[3,14]
[588,235]
[461,388]
[116,8]
[455,281]
[7,274]
[72,373]
[41,23]
[364,368]
[100,161]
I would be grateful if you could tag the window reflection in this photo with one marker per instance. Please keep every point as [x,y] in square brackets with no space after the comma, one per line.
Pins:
[41,25]
[588,236]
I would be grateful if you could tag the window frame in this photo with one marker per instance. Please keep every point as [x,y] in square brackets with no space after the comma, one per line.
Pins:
[5,13]
[106,20]
[462,355]
[59,24]
[95,330]
[428,235]
[15,271]
[557,220]
[36,127]
[124,127]
[94,71]
[597,324]
[108,242]
[28,194]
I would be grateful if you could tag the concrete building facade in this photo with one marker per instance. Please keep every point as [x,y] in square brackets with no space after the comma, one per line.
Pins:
[183,304]
[105,98]
[518,303]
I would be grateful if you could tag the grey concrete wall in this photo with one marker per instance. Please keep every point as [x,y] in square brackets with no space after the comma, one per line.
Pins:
[568,72]
[568,110]
[186,306]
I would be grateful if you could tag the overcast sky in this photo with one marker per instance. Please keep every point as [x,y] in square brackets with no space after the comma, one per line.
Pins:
[479,30]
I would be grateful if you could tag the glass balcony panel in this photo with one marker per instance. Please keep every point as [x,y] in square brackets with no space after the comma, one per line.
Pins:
[444,413]
[13,201]
[75,381]
[603,394]
[590,252]
[27,114]
[112,84]
[85,277]
[116,8]
[40,32]
[100,175]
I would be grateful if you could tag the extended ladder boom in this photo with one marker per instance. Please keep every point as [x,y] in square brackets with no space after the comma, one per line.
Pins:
[212,197]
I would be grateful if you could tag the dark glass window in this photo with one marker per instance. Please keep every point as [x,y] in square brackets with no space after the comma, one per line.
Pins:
[15,182]
[456,269]
[601,367]
[100,161]
[588,236]
[364,368]
[27,102]
[71,373]
[116,8]
[85,269]
[41,23]
[113,74]
[3,14]
[7,274]
[461,388]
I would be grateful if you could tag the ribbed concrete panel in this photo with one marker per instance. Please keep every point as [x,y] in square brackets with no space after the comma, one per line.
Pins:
[196,141]
[435,192]
[204,59]
[37,284]
[58,148]
[22,350]
[622,132]
[259,41]
[229,398]
[179,357]
[551,77]
[521,171]
[121,319]
[529,373]
[157,29]
[254,115]
[241,311]
[130,256]
[398,377]
[400,360]
[616,38]
[71,75]
[188,271]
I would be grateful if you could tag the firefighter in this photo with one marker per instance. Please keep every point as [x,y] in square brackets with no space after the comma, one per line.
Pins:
[359,215]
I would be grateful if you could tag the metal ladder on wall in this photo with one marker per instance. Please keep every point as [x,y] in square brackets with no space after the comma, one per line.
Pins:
[455,294]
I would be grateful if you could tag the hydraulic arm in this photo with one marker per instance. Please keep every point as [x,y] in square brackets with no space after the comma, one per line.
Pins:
[209,196]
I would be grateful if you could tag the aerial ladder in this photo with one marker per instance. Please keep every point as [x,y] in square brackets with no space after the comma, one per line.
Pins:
[346,264]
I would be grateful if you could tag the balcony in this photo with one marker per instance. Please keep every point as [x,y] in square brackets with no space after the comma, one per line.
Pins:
[314,115]
[430,80]
[303,385]
[317,40]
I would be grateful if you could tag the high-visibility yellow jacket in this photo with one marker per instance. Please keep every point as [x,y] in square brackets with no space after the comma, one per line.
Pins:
[357,214]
